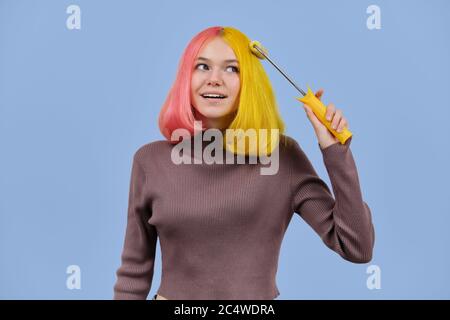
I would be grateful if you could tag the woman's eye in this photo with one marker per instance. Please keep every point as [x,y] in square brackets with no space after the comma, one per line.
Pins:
[201,64]
[236,69]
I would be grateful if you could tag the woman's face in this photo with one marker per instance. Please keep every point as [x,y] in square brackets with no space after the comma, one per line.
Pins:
[216,72]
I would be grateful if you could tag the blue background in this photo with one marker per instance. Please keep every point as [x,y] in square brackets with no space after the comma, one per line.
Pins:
[76,104]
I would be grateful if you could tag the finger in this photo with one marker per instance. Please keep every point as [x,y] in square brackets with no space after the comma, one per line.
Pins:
[337,117]
[307,109]
[342,125]
[310,114]
[319,93]
[330,111]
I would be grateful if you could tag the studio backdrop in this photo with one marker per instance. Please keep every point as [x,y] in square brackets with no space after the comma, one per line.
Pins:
[82,84]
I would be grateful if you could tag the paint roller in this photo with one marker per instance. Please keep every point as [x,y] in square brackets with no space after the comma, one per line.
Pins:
[308,98]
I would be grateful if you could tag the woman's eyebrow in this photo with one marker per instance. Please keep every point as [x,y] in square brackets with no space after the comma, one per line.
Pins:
[227,61]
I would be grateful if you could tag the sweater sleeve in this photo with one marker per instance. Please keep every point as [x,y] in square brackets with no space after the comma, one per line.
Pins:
[344,223]
[134,276]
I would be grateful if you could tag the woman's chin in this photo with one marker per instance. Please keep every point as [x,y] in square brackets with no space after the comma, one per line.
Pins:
[215,112]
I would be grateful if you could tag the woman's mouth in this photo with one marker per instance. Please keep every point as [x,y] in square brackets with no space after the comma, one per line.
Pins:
[213,97]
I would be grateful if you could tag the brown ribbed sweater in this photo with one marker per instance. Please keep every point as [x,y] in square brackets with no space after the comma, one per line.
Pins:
[220,226]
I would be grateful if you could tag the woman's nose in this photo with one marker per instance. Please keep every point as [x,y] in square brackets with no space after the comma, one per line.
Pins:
[215,78]
[214,82]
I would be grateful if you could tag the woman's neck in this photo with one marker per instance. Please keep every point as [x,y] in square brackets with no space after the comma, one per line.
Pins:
[217,123]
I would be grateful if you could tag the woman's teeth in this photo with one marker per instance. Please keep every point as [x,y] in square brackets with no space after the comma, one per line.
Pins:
[213,96]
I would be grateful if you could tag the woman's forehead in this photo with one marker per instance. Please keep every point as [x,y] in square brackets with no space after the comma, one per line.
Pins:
[217,50]
[219,60]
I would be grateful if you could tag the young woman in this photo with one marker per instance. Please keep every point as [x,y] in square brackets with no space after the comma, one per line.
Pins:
[220,225]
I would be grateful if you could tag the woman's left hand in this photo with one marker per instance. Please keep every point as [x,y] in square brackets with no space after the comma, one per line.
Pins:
[333,115]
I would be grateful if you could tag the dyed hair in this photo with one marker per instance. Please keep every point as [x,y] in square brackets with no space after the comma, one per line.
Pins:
[257,107]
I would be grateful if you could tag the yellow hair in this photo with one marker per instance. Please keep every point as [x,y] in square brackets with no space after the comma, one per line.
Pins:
[257,108]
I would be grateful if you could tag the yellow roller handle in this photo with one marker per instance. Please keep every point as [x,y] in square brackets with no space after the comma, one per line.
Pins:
[320,110]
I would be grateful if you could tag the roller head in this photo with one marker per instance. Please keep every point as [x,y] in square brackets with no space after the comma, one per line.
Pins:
[255,51]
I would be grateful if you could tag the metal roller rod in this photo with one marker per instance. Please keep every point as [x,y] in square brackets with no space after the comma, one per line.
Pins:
[273,63]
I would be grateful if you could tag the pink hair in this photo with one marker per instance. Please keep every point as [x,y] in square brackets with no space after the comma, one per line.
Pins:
[177,111]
